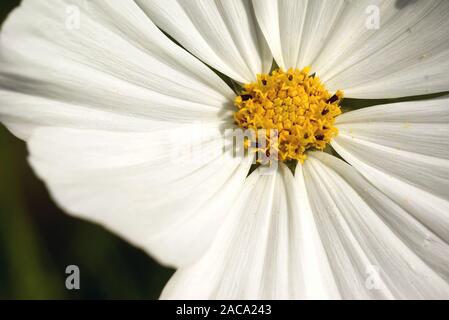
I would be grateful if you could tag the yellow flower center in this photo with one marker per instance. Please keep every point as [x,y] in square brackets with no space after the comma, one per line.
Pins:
[296,105]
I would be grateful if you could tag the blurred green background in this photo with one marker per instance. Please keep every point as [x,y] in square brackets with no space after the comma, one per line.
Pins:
[38,241]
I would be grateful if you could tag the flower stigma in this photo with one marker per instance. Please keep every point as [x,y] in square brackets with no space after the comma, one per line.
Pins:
[296,105]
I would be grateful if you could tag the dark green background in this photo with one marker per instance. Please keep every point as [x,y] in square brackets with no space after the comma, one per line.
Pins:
[38,241]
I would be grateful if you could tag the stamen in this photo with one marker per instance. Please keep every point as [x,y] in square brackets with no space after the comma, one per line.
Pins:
[295,104]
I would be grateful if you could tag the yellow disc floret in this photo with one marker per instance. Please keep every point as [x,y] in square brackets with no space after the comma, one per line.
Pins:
[296,105]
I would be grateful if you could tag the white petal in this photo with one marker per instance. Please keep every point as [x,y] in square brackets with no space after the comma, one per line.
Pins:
[140,185]
[224,34]
[23,113]
[117,62]
[105,107]
[407,158]
[428,246]
[408,55]
[259,251]
[296,30]
[368,258]
[421,111]
[318,275]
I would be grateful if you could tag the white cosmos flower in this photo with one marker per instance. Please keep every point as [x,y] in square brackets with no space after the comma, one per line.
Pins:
[96,89]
